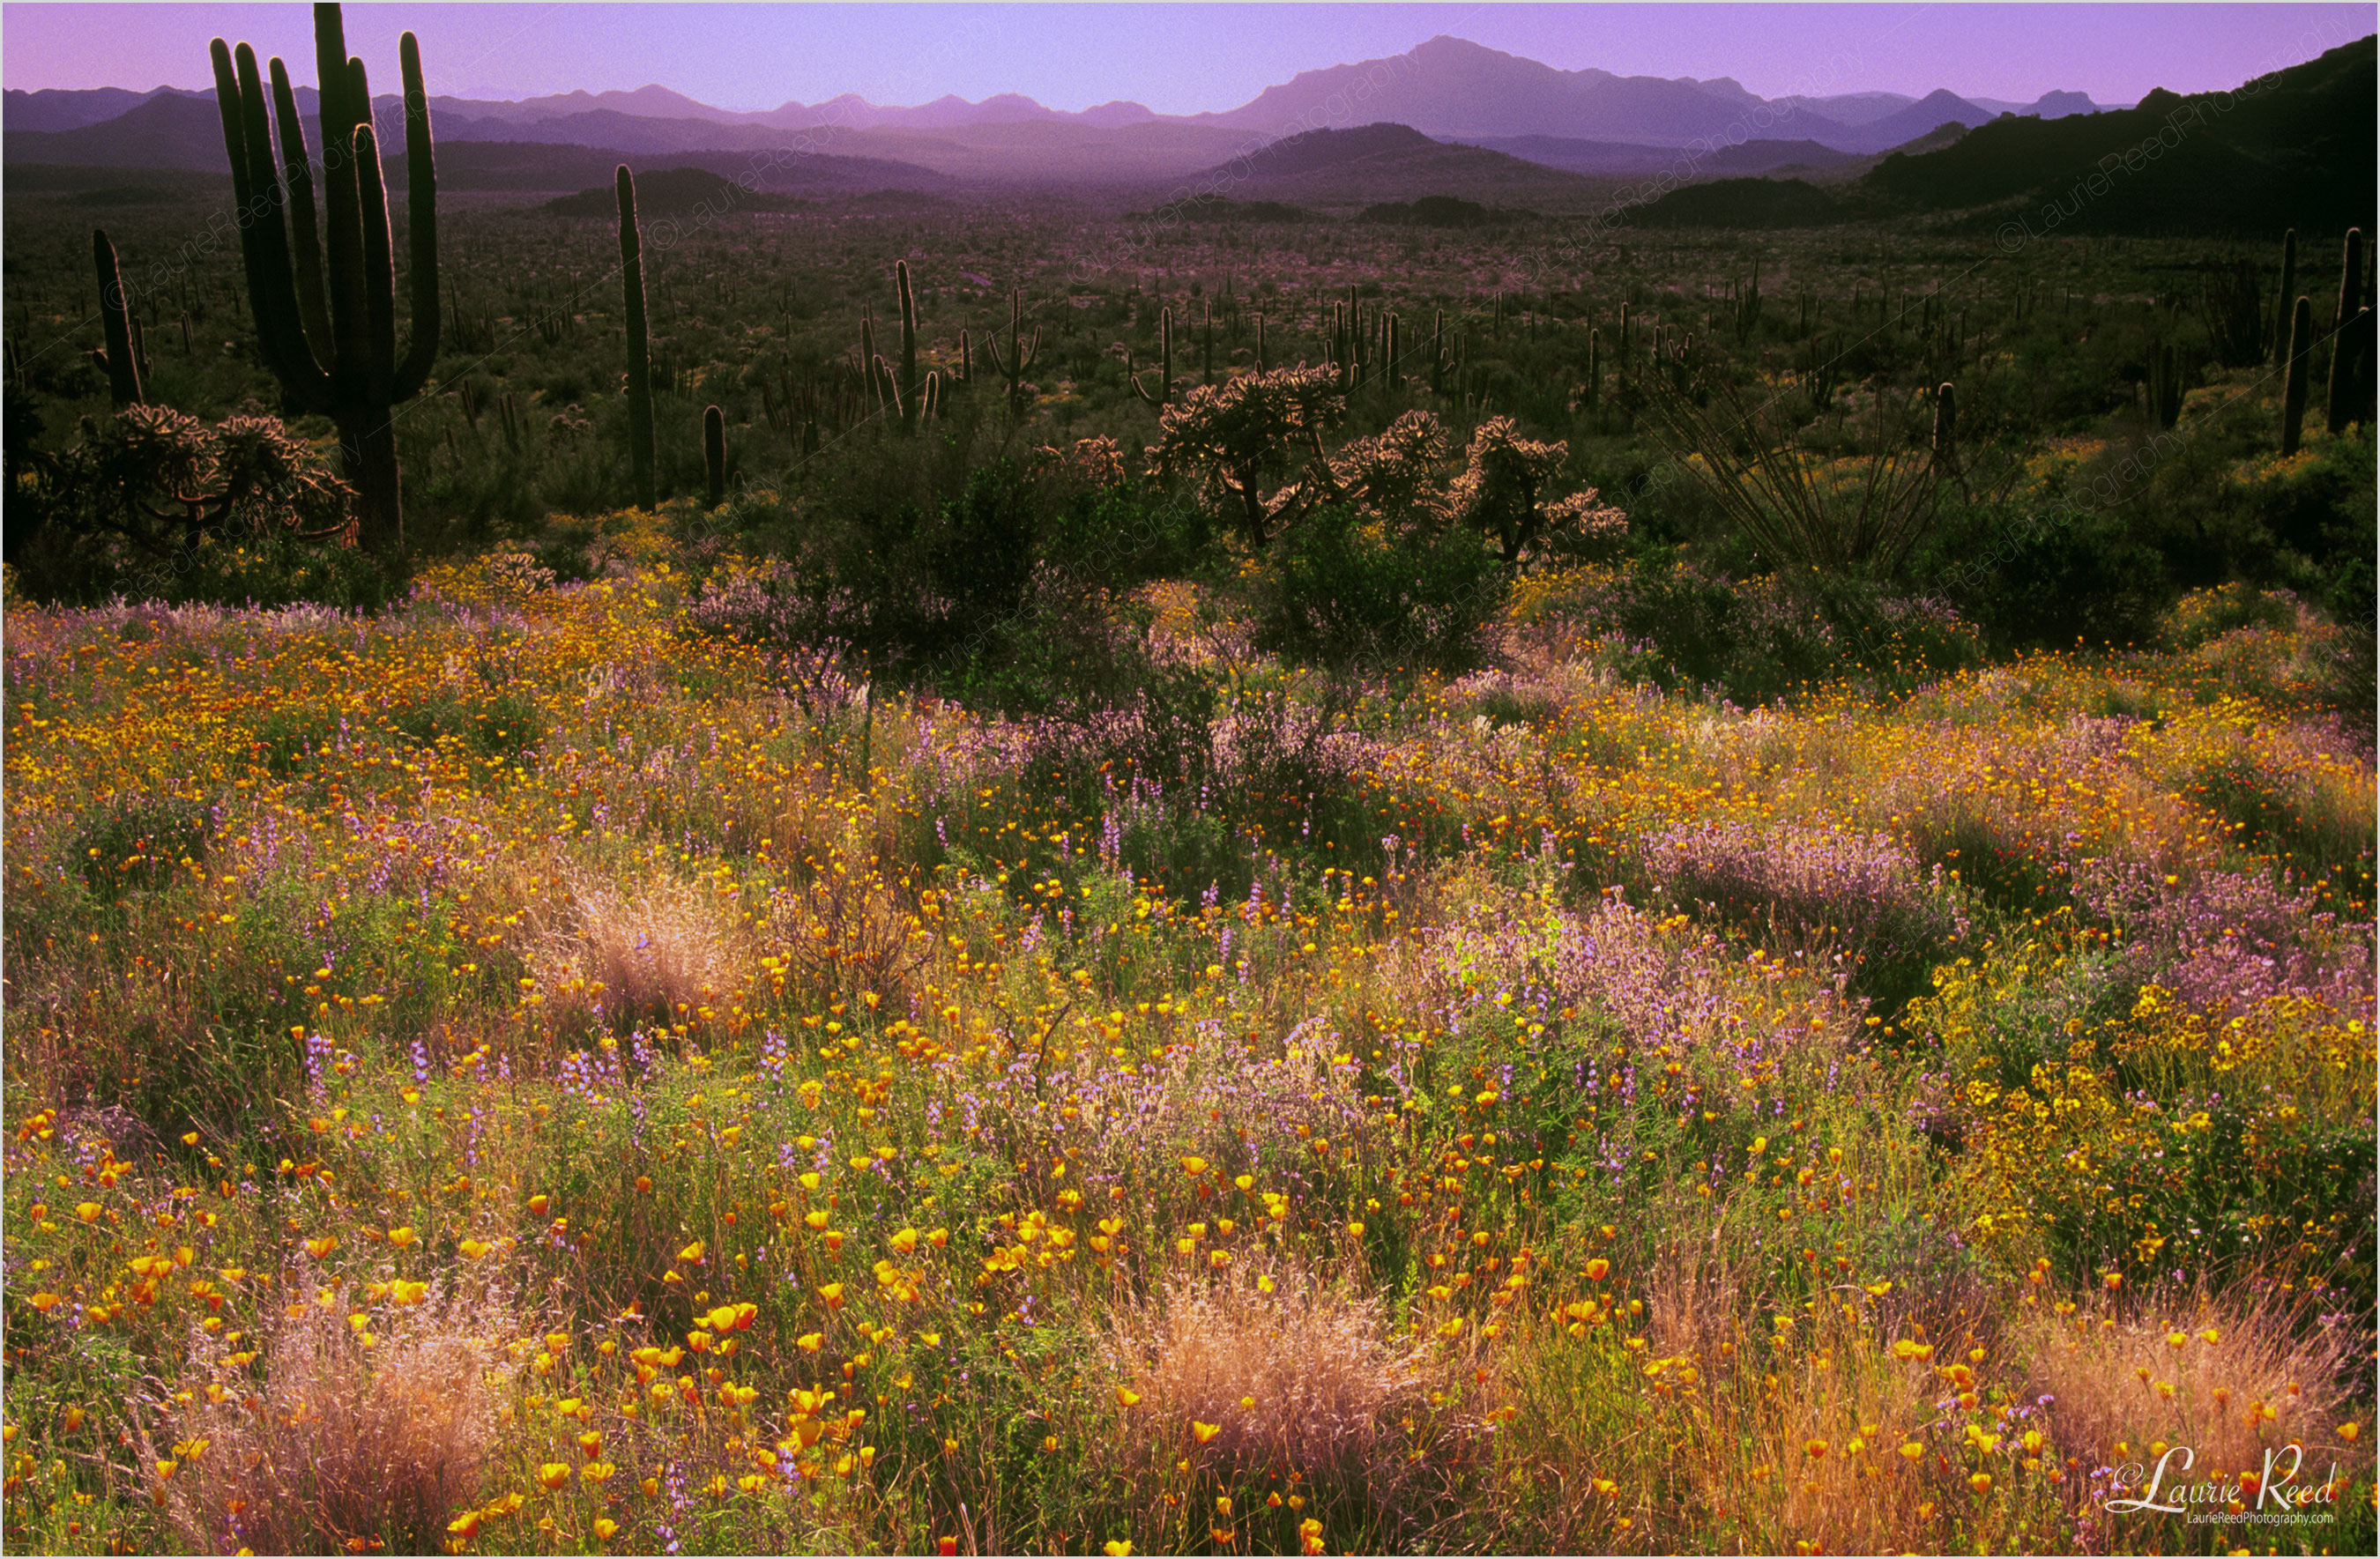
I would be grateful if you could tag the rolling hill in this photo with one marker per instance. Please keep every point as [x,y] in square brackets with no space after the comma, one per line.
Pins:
[2293,147]
[1375,164]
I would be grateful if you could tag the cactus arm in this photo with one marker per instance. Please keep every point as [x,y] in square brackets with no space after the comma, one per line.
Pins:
[298,180]
[234,135]
[343,216]
[890,388]
[380,276]
[264,241]
[421,227]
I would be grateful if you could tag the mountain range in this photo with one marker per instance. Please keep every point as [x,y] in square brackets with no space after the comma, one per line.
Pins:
[1447,88]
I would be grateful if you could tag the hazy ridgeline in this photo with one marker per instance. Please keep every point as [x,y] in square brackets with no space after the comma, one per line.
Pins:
[1352,872]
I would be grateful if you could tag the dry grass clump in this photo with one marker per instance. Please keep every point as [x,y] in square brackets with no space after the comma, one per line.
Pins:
[1304,1383]
[652,946]
[338,1443]
[2230,1378]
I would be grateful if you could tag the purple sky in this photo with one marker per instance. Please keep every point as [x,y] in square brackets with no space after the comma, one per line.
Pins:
[1183,58]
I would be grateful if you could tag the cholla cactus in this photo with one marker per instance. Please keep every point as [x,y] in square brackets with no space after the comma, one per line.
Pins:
[1249,433]
[1501,489]
[1393,473]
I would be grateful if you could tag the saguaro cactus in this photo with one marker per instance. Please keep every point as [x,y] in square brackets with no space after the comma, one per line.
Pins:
[640,354]
[2164,385]
[1022,354]
[329,333]
[2281,342]
[2294,399]
[2342,343]
[912,396]
[714,456]
[117,359]
[1164,395]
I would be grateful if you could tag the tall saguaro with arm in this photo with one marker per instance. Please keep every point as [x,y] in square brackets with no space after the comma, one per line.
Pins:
[326,313]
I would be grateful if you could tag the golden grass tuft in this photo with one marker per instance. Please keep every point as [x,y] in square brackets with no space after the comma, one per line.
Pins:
[648,947]
[1305,1382]
[337,1444]
[2118,1385]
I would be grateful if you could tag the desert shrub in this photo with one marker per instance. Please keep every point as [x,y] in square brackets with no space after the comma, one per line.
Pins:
[845,932]
[139,842]
[1864,898]
[2037,580]
[2203,616]
[1345,593]
[1679,625]
[2165,1140]
[156,505]
[506,724]
[291,736]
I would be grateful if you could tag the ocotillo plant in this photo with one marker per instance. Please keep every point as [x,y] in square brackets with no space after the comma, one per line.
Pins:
[640,357]
[1164,395]
[1022,354]
[2342,346]
[339,360]
[2294,399]
[117,359]
[2281,341]
[911,398]
[714,456]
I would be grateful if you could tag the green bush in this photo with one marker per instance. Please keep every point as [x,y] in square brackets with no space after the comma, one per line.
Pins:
[138,842]
[1346,594]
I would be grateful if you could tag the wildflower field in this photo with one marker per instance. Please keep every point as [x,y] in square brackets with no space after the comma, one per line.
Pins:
[536,1070]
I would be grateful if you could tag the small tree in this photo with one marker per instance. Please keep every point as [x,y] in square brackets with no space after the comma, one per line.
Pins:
[1247,436]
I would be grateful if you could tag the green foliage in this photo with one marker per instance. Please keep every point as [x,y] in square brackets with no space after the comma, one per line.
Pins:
[138,843]
[1348,592]
[158,505]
